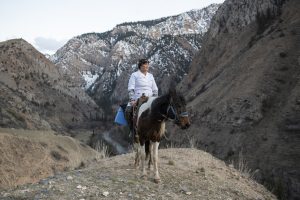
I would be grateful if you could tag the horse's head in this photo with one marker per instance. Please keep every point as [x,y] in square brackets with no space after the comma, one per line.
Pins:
[177,108]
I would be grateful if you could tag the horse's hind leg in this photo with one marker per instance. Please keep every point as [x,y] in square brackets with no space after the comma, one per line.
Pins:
[148,150]
[136,147]
[143,157]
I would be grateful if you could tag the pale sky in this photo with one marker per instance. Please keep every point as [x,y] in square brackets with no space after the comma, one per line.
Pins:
[48,24]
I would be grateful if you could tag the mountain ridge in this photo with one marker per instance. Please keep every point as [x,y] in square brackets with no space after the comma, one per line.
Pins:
[110,57]
[34,93]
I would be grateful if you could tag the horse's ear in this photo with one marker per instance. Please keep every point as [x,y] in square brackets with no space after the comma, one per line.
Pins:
[172,89]
[172,94]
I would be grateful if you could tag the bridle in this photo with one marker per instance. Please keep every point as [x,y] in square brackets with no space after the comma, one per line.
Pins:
[171,110]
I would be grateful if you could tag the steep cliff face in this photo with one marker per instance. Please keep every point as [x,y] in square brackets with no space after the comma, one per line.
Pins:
[243,91]
[235,15]
[103,62]
[34,95]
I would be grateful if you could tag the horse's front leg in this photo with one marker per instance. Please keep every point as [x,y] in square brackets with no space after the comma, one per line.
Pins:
[136,147]
[155,159]
[150,162]
[148,150]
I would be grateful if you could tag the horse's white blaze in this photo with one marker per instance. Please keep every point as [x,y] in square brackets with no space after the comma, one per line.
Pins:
[145,106]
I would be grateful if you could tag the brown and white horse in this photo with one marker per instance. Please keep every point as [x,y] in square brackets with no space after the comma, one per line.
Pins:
[151,120]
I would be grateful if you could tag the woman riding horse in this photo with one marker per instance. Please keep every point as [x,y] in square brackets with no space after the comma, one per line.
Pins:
[140,82]
[152,117]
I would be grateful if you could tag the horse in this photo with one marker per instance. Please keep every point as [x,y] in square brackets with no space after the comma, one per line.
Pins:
[150,127]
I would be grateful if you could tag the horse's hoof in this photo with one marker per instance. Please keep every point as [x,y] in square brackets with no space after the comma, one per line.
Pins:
[150,168]
[157,180]
[144,177]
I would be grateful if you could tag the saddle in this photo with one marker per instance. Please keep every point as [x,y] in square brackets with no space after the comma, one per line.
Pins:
[131,116]
[143,99]
[140,101]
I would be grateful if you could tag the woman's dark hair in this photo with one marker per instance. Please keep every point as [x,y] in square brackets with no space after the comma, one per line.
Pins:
[142,61]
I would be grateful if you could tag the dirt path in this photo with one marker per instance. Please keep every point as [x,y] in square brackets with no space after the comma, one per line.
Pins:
[185,174]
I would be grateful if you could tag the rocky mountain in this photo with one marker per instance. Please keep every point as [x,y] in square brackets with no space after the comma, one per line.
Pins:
[243,90]
[103,62]
[34,95]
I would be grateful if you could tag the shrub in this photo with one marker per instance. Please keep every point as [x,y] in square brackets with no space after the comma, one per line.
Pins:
[282,54]
[16,115]
[58,157]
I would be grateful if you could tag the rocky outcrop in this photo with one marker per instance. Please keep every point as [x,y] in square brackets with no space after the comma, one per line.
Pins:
[103,62]
[243,91]
[186,174]
[34,95]
[244,14]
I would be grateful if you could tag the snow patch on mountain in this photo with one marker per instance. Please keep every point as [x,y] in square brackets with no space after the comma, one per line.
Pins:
[89,78]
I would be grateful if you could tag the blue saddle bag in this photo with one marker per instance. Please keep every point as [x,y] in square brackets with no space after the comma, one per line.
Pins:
[120,116]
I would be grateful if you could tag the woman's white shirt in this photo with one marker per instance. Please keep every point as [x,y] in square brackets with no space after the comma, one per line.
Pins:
[142,83]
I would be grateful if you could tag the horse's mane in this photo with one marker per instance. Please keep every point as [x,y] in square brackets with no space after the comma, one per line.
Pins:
[159,105]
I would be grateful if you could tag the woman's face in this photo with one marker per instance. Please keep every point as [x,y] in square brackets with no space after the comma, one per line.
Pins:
[144,68]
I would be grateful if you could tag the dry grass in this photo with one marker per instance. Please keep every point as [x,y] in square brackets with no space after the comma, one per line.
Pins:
[171,145]
[28,156]
[102,148]
[192,142]
[242,166]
